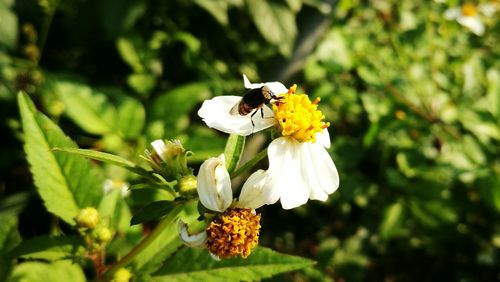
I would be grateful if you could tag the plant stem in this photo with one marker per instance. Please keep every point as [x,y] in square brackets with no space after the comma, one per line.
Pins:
[262,154]
[169,219]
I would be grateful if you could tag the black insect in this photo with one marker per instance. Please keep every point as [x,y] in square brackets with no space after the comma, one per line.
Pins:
[254,100]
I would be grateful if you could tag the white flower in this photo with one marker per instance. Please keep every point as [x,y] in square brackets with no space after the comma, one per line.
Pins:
[216,112]
[110,185]
[300,167]
[220,236]
[468,15]
[214,184]
[214,187]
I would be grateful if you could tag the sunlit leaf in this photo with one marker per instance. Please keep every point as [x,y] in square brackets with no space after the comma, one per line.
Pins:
[64,270]
[262,263]
[276,23]
[65,182]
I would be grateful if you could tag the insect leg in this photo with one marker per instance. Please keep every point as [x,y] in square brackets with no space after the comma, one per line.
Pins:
[251,119]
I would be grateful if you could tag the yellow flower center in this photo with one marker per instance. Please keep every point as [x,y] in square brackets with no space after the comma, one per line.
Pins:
[298,117]
[468,10]
[235,232]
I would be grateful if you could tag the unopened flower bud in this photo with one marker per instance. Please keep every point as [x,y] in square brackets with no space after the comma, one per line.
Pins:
[168,158]
[187,185]
[87,217]
[103,234]
[122,275]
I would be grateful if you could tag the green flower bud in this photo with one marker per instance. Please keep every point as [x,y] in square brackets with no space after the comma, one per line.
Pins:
[103,234]
[87,217]
[187,185]
[168,158]
[122,275]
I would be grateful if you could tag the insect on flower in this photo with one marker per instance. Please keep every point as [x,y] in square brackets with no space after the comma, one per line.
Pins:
[254,100]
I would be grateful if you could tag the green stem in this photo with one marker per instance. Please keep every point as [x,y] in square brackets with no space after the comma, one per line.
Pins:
[262,154]
[169,219]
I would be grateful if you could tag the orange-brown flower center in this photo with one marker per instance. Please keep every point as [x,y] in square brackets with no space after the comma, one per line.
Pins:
[233,233]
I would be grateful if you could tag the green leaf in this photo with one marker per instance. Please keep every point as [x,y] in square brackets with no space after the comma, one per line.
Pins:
[195,265]
[170,107]
[233,151]
[100,156]
[217,8]
[14,204]
[131,118]
[8,27]
[66,183]
[276,23]
[88,108]
[9,238]
[64,270]
[166,243]
[392,221]
[107,158]
[129,54]
[153,211]
[115,211]
[49,248]
[142,83]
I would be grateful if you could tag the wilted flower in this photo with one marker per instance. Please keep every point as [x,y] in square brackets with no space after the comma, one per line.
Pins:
[234,230]
[469,15]
[300,167]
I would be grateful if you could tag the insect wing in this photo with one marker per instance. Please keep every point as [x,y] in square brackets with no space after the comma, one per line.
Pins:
[235,109]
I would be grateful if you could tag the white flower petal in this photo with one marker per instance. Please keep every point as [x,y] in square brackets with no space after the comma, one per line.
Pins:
[254,193]
[298,172]
[276,87]
[191,240]
[452,13]
[323,138]
[473,23]
[214,184]
[319,171]
[285,179]
[216,114]
[159,147]
[489,9]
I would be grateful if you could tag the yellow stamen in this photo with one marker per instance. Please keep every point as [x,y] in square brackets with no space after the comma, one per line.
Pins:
[298,117]
[235,232]
[469,10]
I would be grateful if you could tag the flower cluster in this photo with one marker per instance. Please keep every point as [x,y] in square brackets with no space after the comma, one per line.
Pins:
[472,16]
[300,167]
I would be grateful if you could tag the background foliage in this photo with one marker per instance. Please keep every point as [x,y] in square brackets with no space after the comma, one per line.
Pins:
[413,99]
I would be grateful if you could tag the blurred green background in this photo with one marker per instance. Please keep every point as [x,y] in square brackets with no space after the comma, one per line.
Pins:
[413,101]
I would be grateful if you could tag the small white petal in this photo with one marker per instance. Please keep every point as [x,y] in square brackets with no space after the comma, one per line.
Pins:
[489,9]
[298,172]
[214,256]
[216,114]
[285,179]
[254,193]
[214,184]
[194,240]
[276,87]
[473,23]
[323,138]
[452,13]
[159,147]
[319,170]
